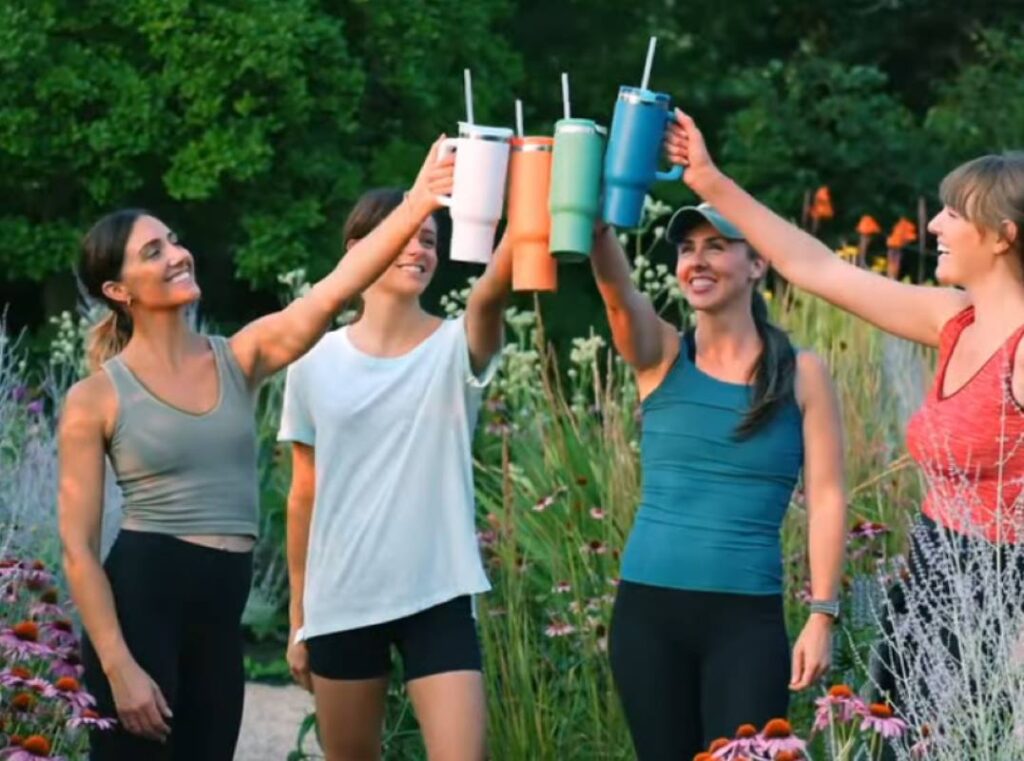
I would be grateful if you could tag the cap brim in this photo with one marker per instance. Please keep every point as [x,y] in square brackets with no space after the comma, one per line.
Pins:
[688,217]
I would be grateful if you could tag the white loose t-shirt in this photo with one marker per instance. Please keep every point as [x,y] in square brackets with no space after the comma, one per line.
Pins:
[393,529]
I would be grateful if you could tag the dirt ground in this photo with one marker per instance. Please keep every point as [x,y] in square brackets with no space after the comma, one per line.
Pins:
[270,723]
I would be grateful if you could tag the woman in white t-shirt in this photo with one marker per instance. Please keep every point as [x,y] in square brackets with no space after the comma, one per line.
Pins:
[382,547]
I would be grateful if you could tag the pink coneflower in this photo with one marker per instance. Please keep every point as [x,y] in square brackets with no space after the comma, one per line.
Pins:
[863,529]
[594,547]
[33,748]
[68,664]
[597,513]
[778,736]
[59,633]
[614,582]
[562,588]
[544,504]
[487,538]
[743,745]
[48,606]
[22,641]
[89,718]
[69,690]
[847,706]
[880,718]
[15,676]
[559,629]
[23,702]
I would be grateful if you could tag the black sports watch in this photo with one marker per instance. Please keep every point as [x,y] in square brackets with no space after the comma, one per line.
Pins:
[828,607]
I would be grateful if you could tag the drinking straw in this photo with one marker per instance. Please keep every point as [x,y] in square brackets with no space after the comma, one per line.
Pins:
[650,60]
[469,96]
[519,117]
[565,94]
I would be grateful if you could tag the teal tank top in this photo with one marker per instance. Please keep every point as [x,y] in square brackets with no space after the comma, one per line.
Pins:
[712,506]
[181,473]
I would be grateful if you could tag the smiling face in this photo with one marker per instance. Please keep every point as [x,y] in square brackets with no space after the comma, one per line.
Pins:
[715,272]
[412,270]
[158,272]
[978,230]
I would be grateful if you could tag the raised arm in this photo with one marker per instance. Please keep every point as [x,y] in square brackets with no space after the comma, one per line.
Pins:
[485,308]
[912,311]
[141,706]
[300,513]
[826,512]
[266,345]
[643,339]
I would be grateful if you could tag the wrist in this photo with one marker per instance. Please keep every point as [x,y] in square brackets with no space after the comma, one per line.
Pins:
[706,180]
[114,661]
[419,204]
[821,619]
[825,608]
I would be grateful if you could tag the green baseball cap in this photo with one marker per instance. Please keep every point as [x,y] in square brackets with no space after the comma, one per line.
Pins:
[688,217]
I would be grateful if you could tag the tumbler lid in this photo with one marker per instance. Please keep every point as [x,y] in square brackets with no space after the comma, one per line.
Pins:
[640,96]
[580,125]
[481,132]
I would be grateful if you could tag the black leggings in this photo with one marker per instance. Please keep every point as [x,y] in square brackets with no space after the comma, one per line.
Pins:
[694,666]
[180,607]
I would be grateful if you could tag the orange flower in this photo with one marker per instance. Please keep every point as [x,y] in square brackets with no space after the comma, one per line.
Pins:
[868,226]
[840,691]
[21,672]
[37,745]
[67,684]
[880,710]
[788,755]
[704,756]
[903,232]
[718,744]
[778,728]
[27,631]
[23,702]
[822,206]
[746,731]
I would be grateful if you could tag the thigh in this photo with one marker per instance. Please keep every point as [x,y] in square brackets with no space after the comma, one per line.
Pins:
[211,675]
[149,611]
[745,663]
[350,714]
[439,640]
[452,712]
[655,676]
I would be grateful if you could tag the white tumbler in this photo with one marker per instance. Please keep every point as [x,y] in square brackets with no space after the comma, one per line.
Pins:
[478,192]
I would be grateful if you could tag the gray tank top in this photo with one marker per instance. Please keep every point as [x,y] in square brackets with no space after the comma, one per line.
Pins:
[182,473]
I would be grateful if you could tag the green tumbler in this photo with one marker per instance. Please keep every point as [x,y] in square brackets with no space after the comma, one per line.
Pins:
[574,200]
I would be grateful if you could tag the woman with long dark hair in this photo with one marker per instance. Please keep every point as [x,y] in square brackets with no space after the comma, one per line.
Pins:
[732,415]
[173,409]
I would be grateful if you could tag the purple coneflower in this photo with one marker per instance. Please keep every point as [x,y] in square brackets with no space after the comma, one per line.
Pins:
[597,513]
[863,529]
[69,690]
[559,629]
[59,634]
[880,718]
[22,641]
[32,748]
[594,547]
[562,588]
[847,707]
[89,718]
[743,745]
[777,736]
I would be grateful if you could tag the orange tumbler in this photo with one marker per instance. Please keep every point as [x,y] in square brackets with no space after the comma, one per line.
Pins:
[529,220]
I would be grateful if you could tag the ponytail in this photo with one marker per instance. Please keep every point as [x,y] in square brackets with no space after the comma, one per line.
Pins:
[107,338]
[773,374]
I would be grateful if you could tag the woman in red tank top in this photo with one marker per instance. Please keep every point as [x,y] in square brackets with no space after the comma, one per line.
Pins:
[967,437]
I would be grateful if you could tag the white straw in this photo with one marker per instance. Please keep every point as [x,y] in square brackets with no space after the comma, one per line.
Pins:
[519,117]
[650,60]
[469,96]
[565,94]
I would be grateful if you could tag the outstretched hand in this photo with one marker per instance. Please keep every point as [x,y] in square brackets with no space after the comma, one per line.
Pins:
[435,178]
[684,145]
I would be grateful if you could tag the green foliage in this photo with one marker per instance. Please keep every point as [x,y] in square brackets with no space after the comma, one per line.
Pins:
[813,121]
[982,109]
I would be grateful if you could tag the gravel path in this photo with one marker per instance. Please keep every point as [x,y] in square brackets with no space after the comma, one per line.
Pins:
[270,723]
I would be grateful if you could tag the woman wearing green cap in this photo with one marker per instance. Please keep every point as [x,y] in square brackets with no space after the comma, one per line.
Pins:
[965,435]
[732,414]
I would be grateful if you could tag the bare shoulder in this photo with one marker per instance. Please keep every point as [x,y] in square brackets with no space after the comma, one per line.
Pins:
[813,378]
[91,401]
